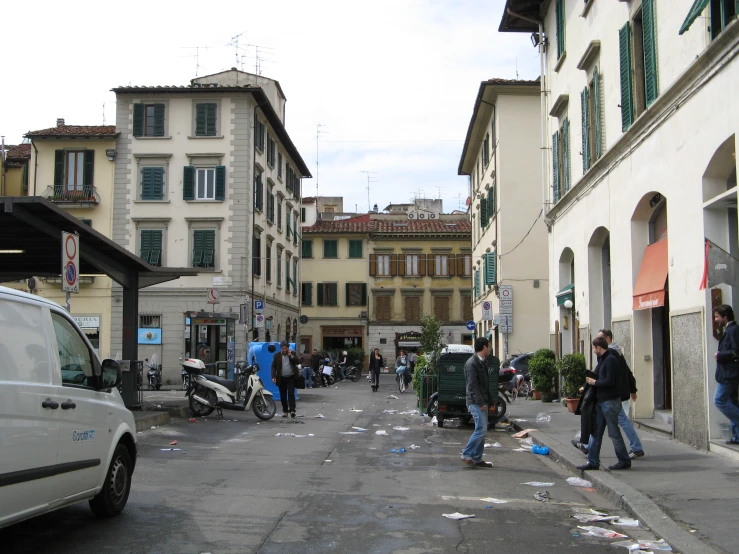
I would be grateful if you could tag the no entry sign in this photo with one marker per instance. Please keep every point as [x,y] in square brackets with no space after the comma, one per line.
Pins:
[70,262]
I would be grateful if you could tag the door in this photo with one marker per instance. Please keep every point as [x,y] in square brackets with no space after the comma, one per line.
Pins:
[28,431]
[84,436]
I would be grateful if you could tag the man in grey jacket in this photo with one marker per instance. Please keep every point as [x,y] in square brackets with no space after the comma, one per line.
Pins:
[478,403]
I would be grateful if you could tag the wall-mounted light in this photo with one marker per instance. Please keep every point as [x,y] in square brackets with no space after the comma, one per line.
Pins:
[111,154]
[568,304]
[535,39]
[656,199]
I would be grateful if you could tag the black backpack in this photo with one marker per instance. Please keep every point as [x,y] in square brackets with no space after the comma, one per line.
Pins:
[626,380]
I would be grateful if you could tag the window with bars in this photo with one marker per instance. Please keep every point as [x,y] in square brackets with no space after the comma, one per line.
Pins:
[330,249]
[356,294]
[412,308]
[204,248]
[441,308]
[327,294]
[306,294]
[206,119]
[383,308]
[152,183]
[150,321]
[150,246]
[355,248]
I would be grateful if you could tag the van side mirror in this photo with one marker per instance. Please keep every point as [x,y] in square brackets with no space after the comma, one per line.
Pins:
[111,376]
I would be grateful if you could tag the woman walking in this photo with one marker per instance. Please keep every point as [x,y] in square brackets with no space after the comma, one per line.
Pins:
[375,366]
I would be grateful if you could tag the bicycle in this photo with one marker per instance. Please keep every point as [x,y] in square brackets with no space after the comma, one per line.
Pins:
[521,388]
[400,380]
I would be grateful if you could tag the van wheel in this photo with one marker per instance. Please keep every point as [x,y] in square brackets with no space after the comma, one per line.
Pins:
[111,500]
[440,421]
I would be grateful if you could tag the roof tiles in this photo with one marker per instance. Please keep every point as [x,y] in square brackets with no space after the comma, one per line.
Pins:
[369,224]
[107,131]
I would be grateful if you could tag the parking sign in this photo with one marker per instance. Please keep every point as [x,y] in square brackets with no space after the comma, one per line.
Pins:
[258,306]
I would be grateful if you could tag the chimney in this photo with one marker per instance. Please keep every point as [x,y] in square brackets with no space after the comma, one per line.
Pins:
[375,208]
[60,122]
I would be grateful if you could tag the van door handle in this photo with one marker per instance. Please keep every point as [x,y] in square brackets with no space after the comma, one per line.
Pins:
[49,403]
[68,405]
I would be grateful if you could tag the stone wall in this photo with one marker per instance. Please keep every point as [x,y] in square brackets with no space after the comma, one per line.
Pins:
[688,380]
[622,336]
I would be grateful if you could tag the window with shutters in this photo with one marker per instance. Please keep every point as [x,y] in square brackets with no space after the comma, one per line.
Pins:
[279,165]
[205,183]
[411,265]
[330,249]
[560,17]
[150,246]
[477,283]
[561,174]
[441,265]
[306,294]
[271,151]
[307,249]
[296,235]
[356,294]
[270,205]
[295,276]
[302,215]
[258,192]
[259,134]
[383,308]
[327,294]
[75,170]
[466,307]
[492,202]
[74,173]
[592,120]
[722,13]
[468,265]
[206,119]
[149,120]
[490,268]
[441,308]
[152,183]
[288,281]
[486,150]
[204,248]
[412,308]
[383,265]
[279,216]
[355,249]
[268,262]
[279,267]
[288,230]
[256,255]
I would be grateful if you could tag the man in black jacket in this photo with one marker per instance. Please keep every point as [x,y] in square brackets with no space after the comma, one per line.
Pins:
[478,403]
[726,398]
[607,407]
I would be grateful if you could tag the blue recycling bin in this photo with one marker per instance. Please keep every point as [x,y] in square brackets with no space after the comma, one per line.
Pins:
[260,351]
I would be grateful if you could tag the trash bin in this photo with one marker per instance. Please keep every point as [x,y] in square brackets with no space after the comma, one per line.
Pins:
[132,381]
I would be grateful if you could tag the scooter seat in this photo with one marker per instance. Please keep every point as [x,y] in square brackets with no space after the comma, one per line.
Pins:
[230,384]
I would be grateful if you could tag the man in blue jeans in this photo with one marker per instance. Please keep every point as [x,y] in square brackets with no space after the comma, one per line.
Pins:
[607,406]
[478,403]
[726,398]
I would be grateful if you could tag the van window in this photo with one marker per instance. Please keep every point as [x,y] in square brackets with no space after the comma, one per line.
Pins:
[23,347]
[74,356]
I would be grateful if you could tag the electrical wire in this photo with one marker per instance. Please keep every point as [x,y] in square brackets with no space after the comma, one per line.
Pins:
[526,235]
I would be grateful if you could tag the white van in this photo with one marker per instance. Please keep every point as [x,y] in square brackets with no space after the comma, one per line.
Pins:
[458,348]
[65,434]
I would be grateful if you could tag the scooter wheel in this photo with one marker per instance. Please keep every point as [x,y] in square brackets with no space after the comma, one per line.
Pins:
[264,407]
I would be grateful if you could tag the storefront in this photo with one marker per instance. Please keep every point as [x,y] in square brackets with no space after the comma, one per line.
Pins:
[90,325]
[341,338]
[210,337]
[408,342]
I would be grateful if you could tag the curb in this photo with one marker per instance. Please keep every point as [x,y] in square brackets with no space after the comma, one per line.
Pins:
[152,419]
[638,504]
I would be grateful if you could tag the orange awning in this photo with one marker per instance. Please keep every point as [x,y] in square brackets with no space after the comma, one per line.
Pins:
[649,291]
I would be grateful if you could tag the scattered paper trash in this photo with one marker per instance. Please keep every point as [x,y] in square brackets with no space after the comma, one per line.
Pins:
[522,449]
[542,496]
[360,429]
[626,522]
[398,450]
[381,432]
[578,482]
[434,421]
[493,445]
[588,511]
[391,412]
[528,441]
[320,416]
[350,433]
[494,500]
[311,435]
[392,396]
[586,518]
[411,412]
[600,532]
[523,434]
[643,545]
[172,443]
[328,461]
[153,426]
[401,428]
[543,418]
[414,446]
[538,484]
[519,420]
[457,515]
[355,410]
[169,449]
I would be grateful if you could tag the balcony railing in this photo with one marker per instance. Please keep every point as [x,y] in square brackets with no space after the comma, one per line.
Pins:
[87,195]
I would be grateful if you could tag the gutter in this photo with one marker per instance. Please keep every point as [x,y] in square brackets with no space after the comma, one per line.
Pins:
[35,166]
[542,79]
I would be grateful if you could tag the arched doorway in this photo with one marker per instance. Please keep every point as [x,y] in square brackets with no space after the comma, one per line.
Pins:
[566,303]
[599,282]
[651,307]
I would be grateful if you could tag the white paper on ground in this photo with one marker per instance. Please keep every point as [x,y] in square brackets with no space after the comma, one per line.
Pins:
[494,500]
[587,518]
[578,482]
[320,416]
[643,545]
[626,522]
[600,532]
[457,515]
[538,484]
[392,396]
[355,410]
[350,433]
[381,432]
[493,445]
[414,446]
[588,511]
[401,428]
[360,429]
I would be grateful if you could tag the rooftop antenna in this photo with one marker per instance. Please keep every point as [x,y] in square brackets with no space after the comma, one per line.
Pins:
[196,56]
[103,113]
[318,134]
[370,179]
[516,68]
[235,43]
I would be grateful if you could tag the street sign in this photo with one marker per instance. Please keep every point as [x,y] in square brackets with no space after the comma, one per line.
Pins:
[505,325]
[70,262]
[505,292]
[506,308]
[470,325]
[259,321]
[258,306]
[214,296]
[487,311]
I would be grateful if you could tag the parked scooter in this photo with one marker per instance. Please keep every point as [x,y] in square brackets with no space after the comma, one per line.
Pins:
[353,372]
[154,375]
[185,380]
[208,392]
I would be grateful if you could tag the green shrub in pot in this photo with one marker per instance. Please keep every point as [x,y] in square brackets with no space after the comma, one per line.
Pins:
[543,370]
[572,368]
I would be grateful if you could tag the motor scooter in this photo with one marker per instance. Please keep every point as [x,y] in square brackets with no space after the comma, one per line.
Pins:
[154,375]
[208,392]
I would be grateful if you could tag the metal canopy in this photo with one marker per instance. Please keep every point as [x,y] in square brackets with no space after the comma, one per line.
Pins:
[34,225]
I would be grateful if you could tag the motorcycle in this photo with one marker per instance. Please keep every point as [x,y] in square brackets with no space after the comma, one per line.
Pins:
[154,375]
[185,380]
[208,392]
[353,372]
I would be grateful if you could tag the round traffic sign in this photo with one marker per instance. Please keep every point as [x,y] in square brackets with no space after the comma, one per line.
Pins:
[486,305]
[70,274]
[70,246]
[470,325]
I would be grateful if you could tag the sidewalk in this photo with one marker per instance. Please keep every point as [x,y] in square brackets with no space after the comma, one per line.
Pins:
[674,489]
[159,407]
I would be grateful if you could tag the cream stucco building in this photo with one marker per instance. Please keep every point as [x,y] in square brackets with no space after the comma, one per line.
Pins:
[206,176]
[509,237]
[641,130]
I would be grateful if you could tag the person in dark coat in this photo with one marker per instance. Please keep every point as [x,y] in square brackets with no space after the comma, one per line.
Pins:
[608,392]
[375,366]
[478,403]
[284,369]
[726,398]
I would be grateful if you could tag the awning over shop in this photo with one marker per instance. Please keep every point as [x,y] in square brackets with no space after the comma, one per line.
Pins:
[695,11]
[649,291]
[408,343]
[567,293]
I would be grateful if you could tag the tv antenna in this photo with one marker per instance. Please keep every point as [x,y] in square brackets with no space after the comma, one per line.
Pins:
[370,179]
[103,113]
[196,55]
[319,132]
[235,43]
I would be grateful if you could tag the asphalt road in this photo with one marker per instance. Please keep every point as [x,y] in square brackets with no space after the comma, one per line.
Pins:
[237,487]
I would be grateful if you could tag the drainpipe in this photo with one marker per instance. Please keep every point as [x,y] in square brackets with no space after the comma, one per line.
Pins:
[2,176]
[35,167]
[542,79]
[251,245]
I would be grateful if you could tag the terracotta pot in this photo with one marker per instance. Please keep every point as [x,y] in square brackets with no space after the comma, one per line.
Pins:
[537,395]
[572,404]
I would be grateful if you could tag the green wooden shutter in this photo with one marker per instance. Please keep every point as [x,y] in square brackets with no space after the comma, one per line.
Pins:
[198,248]
[147,183]
[566,154]
[555,167]
[319,291]
[364,294]
[138,120]
[483,212]
[627,91]
[477,283]
[158,120]
[651,87]
[585,130]
[58,169]
[209,256]
[491,268]
[307,249]
[333,289]
[307,294]
[201,116]
[494,199]
[695,11]
[188,183]
[560,28]
[491,203]
[158,183]
[596,113]
[221,182]
[155,258]
[88,173]
[145,246]
[211,113]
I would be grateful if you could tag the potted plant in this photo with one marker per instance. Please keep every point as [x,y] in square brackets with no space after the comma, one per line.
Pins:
[543,372]
[572,368]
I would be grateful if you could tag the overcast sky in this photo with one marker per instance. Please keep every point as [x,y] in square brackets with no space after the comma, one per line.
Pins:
[392,82]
